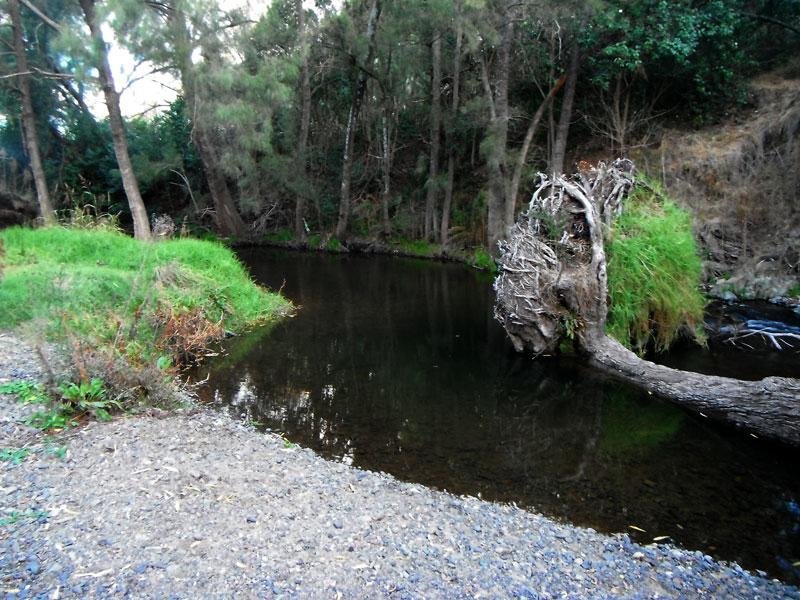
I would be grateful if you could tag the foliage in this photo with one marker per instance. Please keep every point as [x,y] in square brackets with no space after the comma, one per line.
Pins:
[27,391]
[653,271]
[89,397]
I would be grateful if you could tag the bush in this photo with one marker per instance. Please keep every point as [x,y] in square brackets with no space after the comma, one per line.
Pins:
[653,272]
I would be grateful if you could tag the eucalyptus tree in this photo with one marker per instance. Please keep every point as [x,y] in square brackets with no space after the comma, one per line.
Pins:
[141,222]
[28,117]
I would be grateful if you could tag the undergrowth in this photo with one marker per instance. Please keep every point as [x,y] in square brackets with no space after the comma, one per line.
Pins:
[653,272]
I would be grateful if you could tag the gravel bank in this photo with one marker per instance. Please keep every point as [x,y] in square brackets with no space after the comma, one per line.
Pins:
[196,505]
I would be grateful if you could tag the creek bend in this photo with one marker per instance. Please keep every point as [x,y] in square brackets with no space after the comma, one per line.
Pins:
[397,365]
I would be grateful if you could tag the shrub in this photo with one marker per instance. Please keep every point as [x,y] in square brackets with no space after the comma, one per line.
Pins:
[653,272]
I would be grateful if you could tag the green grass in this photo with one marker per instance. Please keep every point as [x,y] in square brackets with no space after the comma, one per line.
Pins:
[653,272]
[417,247]
[794,291]
[103,286]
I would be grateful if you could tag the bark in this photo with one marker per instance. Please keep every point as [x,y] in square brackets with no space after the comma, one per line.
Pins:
[436,125]
[451,147]
[352,119]
[226,217]
[511,201]
[305,121]
[564,119]
[141,223]
[553,284]
[29,118]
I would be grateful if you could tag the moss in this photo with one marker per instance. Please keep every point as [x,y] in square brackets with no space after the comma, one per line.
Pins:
[653,272]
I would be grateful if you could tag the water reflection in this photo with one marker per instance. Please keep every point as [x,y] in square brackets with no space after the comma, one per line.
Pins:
[398,366]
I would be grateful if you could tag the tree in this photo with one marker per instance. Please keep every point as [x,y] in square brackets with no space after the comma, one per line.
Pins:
[28,117]
[141,223]
[352,119]
[436,125]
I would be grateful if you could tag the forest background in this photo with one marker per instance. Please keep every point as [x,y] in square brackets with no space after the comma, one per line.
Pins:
[422,122]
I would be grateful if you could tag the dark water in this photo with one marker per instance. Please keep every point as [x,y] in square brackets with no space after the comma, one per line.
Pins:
[396,365]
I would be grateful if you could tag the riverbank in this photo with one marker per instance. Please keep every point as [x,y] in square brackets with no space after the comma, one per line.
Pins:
[196,504]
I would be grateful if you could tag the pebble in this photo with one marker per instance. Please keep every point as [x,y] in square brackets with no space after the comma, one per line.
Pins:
[271,523]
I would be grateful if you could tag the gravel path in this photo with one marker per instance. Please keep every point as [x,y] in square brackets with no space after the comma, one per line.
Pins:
[196,505]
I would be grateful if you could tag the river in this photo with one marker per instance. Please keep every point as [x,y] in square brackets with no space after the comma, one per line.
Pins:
[397,365]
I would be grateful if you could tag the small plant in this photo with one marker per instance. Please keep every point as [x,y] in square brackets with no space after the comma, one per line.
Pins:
[27,391]
[88,397]
[14,455]
[60,452]
[47,420]
[287,443]
[794,291]
[570,325]
[481,259]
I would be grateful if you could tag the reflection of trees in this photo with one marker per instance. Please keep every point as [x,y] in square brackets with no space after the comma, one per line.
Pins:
[399,367]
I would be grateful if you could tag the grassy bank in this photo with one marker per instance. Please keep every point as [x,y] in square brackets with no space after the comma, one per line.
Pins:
[123,309]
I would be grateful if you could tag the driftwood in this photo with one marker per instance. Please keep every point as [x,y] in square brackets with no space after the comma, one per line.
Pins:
[552,286]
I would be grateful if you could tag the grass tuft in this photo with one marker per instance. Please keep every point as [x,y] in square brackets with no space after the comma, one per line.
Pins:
[653,272]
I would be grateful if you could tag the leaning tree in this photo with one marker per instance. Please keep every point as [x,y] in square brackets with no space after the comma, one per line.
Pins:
[552,285]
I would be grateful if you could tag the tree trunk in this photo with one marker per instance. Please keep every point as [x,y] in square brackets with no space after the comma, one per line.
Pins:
[352,119]
[564,119]
[386,164]
[226,217]
[511,201]
[436,126]
[141,223]
[769,408]
[29,118]
[451,147]
[305,121]
[498,133]
[553,284]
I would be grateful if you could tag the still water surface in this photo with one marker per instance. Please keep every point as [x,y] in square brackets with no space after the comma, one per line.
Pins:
[396,365]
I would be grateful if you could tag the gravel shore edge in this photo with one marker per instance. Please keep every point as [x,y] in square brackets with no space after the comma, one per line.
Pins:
[194,504]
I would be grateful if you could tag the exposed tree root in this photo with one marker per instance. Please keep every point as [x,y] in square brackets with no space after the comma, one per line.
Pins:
[552,286]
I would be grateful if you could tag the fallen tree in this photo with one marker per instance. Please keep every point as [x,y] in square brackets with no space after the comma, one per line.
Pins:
[553,286]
